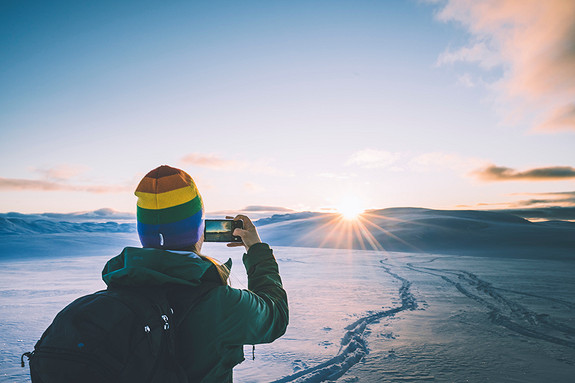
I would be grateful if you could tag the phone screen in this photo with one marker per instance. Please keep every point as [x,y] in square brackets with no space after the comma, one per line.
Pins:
[220,230]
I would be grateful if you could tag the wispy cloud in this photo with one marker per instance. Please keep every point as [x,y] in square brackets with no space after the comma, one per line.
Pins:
[549,205]
[371,158]
[568,194]
[494,173]
[466,80]
[253,211]
[13,184]
[562,118]
[479,53]
[61,172]
[254,188]
[532,41]
[547,199]
[440,161]
[210,161]
[261,208]
[337,176]
[24,184]
[213,161]
[422,162]
[554,205]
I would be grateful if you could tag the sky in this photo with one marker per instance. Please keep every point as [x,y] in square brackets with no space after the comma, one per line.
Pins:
[278,106]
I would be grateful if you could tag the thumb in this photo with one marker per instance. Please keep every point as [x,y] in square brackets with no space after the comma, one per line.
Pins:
[240,232]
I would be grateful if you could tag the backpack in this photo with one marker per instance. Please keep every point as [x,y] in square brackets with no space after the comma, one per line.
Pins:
[118,335]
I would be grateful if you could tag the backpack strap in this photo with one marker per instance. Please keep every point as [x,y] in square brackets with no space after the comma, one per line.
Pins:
[140,300]
[183,299]
[155,296]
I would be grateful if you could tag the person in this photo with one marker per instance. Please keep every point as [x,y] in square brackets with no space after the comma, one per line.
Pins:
[210,337]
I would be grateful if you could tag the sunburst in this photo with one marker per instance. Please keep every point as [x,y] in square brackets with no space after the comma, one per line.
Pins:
[350,208]
[356,229]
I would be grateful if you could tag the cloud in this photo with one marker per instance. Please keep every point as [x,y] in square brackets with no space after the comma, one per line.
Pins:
[61,172]
[439,160]
[499,173]
[556,194]
[337,176]
[423,162]
[478,52]
[532,41]
[549,205]
[210,161]
[254,208]
[23,184]
[13,184]
[254,188]
[371,158]
[547,199]
[466,80]
[253,211]
[561,119]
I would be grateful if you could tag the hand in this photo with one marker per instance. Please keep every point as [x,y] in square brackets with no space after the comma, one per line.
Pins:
[249,234]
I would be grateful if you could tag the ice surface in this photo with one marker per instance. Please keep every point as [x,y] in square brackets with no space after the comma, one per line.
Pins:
[355,316]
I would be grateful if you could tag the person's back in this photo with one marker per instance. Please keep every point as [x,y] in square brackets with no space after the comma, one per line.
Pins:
[210,337]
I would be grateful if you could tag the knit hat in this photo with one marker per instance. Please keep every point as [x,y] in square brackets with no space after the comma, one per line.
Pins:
[170,211]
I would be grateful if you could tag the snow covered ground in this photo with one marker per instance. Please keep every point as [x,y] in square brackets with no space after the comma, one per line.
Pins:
[355,316]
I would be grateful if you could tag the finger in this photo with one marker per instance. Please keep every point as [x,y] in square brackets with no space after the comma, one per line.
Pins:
[234,244]
[239,232]
[241,217]
[247,222]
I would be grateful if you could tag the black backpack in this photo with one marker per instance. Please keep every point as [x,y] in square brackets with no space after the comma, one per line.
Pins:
[115,336]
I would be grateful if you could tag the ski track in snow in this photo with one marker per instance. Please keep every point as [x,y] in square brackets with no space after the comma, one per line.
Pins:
[504,311]
[353,343]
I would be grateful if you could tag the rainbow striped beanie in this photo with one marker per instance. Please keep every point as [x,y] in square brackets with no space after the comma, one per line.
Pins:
[170,211]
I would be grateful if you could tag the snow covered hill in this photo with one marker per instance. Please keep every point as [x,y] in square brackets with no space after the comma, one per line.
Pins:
[468,232]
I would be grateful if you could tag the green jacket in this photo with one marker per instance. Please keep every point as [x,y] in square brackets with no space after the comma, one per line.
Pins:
[210,338]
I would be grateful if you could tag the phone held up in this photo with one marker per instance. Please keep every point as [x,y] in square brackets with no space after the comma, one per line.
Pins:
[221,230]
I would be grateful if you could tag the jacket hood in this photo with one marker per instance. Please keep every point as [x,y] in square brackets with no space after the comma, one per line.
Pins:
[152,267]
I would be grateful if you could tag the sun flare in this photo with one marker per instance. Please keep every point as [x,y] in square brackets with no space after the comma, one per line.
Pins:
[350,208]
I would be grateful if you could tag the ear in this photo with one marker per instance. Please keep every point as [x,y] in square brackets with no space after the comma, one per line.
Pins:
[198,245]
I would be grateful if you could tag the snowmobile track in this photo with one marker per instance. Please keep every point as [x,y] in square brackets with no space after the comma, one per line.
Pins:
[353,343]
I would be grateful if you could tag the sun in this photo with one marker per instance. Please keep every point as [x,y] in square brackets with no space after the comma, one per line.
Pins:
[350,208]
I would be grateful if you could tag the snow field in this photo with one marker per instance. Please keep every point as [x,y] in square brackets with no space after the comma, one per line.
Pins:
[355,316]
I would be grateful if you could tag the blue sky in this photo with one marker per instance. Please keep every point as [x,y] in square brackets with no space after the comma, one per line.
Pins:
[301,105]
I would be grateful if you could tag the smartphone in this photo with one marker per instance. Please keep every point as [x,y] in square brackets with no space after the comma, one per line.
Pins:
[221,230]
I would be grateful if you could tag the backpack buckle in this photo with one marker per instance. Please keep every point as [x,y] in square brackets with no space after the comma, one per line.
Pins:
[166,323]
